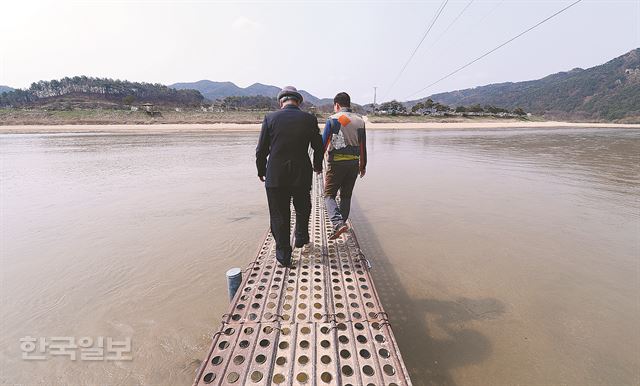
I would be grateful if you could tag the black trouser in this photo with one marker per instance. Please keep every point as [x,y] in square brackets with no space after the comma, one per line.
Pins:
[341,176]
[279,199]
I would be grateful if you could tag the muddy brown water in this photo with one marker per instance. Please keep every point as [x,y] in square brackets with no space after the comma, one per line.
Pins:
[506,257]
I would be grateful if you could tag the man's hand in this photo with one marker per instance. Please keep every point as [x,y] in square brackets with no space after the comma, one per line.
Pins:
[362,172]
[261,178]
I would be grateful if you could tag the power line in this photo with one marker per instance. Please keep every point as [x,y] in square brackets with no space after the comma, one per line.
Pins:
[433,22]
[490,12]
[495,49]
[468,29]
[451,24]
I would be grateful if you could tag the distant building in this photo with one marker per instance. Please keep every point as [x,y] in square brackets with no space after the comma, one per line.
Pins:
[427,111]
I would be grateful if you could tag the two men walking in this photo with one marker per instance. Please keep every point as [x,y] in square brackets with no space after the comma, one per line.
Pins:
[285,139]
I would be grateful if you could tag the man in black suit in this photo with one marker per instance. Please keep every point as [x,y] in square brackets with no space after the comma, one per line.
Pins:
[285,137]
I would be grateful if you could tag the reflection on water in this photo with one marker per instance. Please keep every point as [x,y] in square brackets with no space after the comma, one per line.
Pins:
[503,257]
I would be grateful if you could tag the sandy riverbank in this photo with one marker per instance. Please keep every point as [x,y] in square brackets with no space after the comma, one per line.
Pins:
[251,127]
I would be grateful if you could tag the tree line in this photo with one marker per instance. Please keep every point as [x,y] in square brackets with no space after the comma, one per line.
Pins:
[255,102]
[120,91]
[429,107]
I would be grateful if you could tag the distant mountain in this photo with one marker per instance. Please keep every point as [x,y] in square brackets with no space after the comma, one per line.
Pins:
[220,90]
[212,90]
[315,100]
[5,89]
[610,91]
[262,89]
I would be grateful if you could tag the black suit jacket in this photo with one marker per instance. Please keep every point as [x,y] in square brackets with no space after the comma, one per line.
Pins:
[285,137]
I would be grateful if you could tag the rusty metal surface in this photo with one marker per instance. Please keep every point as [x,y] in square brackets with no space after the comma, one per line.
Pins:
[319,322]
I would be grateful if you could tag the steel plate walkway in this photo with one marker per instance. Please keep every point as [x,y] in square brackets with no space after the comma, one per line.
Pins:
[317,323]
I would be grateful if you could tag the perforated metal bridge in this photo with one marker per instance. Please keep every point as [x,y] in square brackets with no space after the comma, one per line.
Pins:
[318,323]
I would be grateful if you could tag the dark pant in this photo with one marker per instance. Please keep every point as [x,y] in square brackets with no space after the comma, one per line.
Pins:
[341,176]
[279,199]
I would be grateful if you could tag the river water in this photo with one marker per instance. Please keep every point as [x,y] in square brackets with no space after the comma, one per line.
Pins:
[507,257]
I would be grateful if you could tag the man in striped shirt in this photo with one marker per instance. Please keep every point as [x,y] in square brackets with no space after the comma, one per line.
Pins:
[344,140]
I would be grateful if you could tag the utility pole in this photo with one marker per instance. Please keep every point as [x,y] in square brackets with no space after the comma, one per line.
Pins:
[375,88]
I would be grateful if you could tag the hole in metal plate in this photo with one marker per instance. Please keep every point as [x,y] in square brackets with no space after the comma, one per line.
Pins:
[347,370]
[326,377]
[389,370]
[256,376]
[233,377]
[368,370]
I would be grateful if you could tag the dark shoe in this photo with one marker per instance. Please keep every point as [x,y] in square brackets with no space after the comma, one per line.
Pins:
[284,257]
[340,229]
[301,241]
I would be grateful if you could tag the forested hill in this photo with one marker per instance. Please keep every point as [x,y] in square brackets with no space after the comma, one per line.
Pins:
[610,91]
[5,89]
[85,91]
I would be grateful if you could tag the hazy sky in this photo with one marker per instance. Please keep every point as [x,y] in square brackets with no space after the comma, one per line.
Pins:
[321,46]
